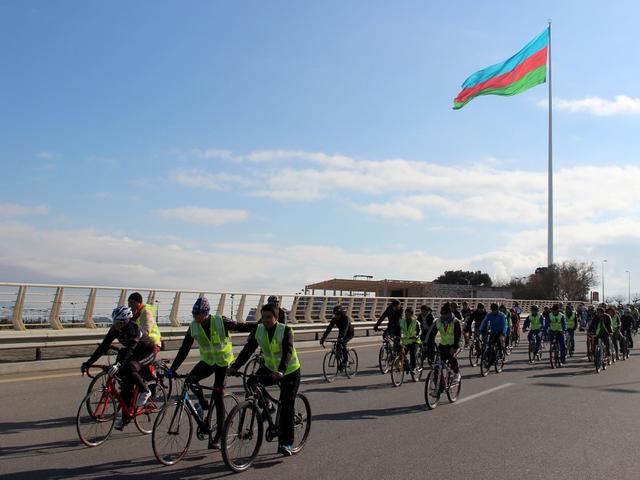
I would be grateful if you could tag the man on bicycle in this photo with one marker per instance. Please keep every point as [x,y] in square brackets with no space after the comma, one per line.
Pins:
[136,353]
[410,329]
[600,327]
[145,316]
[450,332]
[627,324]
[495,322]
[615,327]
[216,354]
[345,331]
[275,301]
[281,365]
[572,325]
[425,319]
[394,313]
[557,329]
[534,323]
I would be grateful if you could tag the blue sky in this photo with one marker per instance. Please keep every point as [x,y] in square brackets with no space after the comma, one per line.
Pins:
[265,145]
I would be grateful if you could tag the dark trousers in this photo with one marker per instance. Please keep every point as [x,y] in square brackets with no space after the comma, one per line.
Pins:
[447,354]
[132,371]
[202,370]
[288,390]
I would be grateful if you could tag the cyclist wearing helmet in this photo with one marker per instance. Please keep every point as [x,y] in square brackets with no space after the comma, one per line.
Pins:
[448,326]
[496,322]
[345,330]
[216,354]
[145,316]
[557,328]
[410,335]
[425,318]
[535,324]
[394,313]
[275,301]
[137,351]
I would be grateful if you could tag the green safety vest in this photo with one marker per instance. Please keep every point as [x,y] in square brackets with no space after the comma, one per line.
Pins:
[571,321]
[409,330]
[535,322]
[555,322]
[216,350]
[615,322]
[447,335]
[272,351]
[155,331]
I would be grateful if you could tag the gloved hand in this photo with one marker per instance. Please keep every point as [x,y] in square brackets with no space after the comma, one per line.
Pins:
[169,373]
[376,328]
[84,367]
[113,370]
[233,371]
[322,343]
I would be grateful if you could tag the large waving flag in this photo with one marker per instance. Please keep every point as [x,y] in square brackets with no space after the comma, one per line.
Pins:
[524,70]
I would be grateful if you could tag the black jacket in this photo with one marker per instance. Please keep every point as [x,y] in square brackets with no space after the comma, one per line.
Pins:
[130,337]
[252,345]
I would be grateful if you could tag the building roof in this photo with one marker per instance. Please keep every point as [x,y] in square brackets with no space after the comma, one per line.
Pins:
[350,285]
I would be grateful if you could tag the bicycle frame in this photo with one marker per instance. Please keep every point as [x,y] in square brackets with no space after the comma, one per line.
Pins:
[111,391]
[185,400]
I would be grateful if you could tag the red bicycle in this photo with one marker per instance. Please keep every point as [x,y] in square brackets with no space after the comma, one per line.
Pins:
[100,406]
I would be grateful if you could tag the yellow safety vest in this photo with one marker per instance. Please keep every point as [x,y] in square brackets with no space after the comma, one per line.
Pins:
[217,350]
[155,331]
[272,350]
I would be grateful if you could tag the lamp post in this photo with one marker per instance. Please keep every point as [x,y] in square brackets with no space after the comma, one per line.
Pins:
[629,285]
[157,311]
[603,262]
[73,315]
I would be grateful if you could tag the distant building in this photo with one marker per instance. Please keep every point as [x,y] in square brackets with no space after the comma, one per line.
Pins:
[403,288]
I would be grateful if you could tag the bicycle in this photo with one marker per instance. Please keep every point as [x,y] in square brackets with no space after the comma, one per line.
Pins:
[554,352]
[491,356]
[475,350]
[590,346]
[385,355]
[515,335]
[335,362]
[533,355]
[440,379]
[571,344]
[624,345]
[255,363]
[99,408]
[400,365]
[599,355]
[243,430]
[175,422]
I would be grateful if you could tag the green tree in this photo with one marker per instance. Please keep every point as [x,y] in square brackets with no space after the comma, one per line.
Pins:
[460,277]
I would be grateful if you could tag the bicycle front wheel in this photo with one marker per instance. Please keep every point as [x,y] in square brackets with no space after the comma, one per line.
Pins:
[301,422]
[416,373]
[250,369]
[242,436]
[351,366]
[383,360]
[145,416]
[485,363]
[397,371]
[330,366]
[453,389]
[172,432]
[473,358]
[499,363]
[96,417]
[432,389]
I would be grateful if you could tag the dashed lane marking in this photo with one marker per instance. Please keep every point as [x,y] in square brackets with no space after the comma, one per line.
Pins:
[483,393]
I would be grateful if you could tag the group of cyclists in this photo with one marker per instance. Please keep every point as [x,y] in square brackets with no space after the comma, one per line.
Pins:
[454,328]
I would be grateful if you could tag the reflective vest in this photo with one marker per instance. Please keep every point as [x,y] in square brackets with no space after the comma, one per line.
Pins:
[409,331]
[571,321]
[155,331]
[555,322]
[272,350]
[216,350]
[535,322]
[615,322]
[446,330]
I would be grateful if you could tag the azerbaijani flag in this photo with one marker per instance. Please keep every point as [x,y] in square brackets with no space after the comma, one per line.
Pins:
[524,70]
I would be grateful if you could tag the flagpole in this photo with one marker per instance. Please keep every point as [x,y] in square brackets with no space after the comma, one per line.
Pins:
[550,172]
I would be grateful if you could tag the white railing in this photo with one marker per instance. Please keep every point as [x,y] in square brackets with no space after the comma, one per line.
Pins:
[26,306]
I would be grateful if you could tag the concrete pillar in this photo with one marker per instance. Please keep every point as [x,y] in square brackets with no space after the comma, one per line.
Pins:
[363,310]
[323,310]
[294,309]
[123,297]
[350,307]
[151,299]
[240,310]
[54,316]
[18,308]
[88,311]
[308,309]
[174,320]
[220,310]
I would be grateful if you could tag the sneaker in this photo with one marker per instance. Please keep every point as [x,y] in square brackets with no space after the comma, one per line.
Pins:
[457,377]
[285,450]
[121,422]
[143,398]
[214,443]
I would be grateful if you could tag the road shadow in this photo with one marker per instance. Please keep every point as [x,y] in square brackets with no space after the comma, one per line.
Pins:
[19,427]
[370,414]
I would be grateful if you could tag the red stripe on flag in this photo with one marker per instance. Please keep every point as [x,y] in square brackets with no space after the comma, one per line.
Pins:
[536,60]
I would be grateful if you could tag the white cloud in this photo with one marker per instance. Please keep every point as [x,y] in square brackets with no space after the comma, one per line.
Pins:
[200,179]
[392,211]
[203,216]
[17,210]
[257,248]
[44,155]
[601,107]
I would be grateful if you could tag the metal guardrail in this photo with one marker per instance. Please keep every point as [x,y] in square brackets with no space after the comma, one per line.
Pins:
[58,307]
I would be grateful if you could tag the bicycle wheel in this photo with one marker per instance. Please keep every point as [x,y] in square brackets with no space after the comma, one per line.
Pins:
[250,368]
[330,366]
[485,363]
[532,352]
[229,401]
[416,373]
[552,355]
[96,417]
[453,388]
[384,360]
[161,368]
[432,390]
[242,436]
[473,357]
[498,365]
[301,422]
[146,415]
[172,432]
[397,371]
[351,366]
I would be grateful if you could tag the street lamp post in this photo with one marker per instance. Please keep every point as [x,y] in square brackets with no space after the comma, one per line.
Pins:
[629,285]
[603,262]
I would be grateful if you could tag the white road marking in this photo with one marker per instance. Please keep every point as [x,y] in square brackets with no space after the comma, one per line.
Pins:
[311,379]
[485,392]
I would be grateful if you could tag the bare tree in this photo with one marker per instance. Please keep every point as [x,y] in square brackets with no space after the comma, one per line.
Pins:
[575,279]
[635,298]
[619,299]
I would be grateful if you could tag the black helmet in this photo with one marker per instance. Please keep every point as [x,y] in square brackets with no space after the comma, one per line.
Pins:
[338,310]
[273,299]
[409,310]
[395,302]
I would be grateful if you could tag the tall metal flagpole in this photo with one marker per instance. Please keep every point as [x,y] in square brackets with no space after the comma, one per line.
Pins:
[550,173]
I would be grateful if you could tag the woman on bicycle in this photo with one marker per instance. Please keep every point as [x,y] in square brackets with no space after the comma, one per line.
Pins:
[535,323]
[345,330]
[281,365]
[410,329]
[450,332]
[137,352]
[216,354]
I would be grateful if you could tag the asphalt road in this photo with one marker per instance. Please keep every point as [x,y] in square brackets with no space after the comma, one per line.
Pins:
[530,422]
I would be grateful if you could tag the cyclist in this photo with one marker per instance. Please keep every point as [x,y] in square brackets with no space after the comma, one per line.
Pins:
[466,313]
[281,365]
[515,319]
[216,354]
[600,327]
[394,313]
[410,329]
[345,331]
[572,324]
[507,339]
[450,338]
[535,325]
[145,316]
[615,327]
[627,325]
[425,319]
[275,301]
[137,352]
[495,322]
[557,328]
